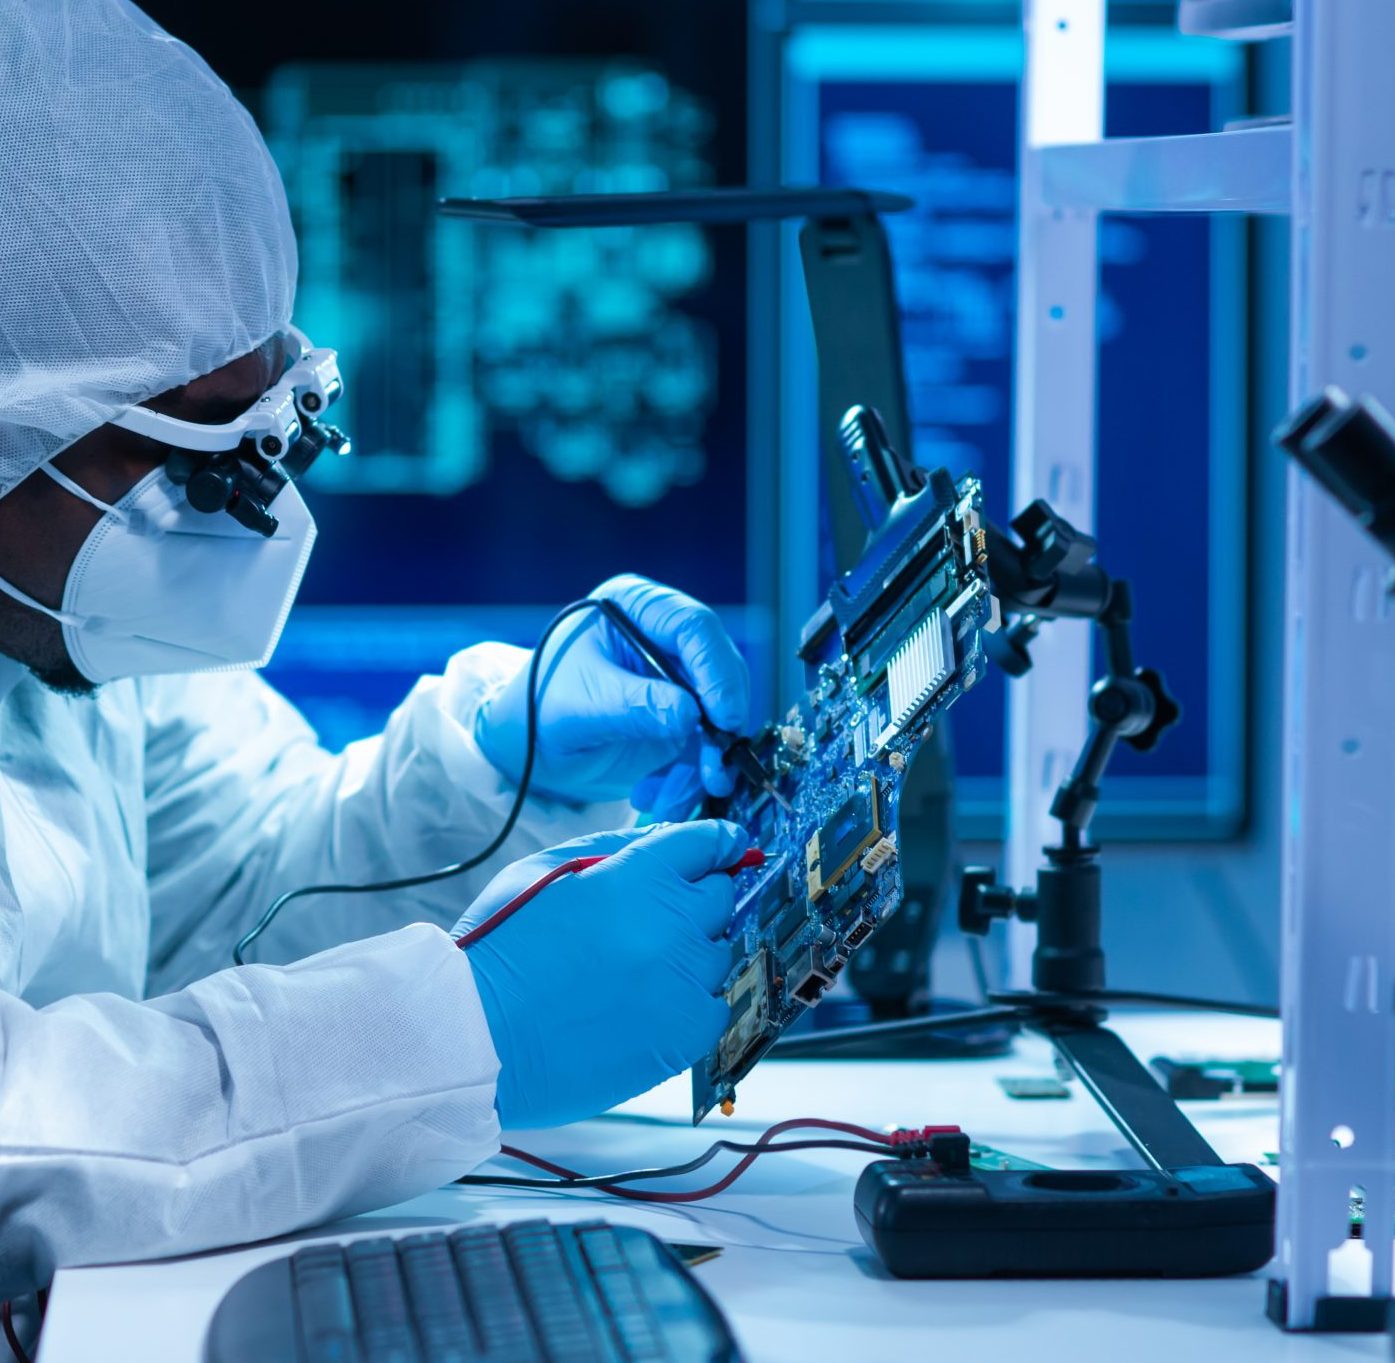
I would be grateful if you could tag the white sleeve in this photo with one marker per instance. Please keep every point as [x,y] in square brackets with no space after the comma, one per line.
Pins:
[243,804]
[250,1104]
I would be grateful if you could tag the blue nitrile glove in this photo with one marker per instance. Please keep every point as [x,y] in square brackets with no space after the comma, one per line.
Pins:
[607,726]
[606,983]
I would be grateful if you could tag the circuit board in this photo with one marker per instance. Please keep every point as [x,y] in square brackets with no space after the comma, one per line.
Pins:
[898,641]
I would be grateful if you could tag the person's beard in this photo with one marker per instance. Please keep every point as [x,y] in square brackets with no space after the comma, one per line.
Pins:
[36,642]
[66,680]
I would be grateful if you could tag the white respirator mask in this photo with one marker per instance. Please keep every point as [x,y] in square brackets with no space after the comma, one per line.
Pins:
[192,570]
[159,587]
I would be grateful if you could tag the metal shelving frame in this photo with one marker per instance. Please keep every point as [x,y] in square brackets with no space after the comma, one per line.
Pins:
[1332,170]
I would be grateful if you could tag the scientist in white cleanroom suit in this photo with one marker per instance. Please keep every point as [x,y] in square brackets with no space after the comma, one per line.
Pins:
[154,1099]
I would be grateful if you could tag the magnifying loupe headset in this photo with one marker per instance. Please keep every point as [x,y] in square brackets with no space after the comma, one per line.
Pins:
[241,466]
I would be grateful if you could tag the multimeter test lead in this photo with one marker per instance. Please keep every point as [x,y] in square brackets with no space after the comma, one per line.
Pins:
[736,751]
[752,857]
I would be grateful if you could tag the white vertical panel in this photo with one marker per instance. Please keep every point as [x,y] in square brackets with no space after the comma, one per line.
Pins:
[1054,416]
[1339,862]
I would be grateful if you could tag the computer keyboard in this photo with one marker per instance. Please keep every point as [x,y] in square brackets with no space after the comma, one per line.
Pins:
[531,1292]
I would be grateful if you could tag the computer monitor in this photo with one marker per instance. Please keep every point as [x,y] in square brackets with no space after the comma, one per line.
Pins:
[930,110]
[531,413]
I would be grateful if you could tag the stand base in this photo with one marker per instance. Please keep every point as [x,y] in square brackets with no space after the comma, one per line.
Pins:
[1131,1098]
[981,1042]
[1333,1315]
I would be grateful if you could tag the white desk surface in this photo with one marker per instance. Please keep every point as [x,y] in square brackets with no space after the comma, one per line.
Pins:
[794,1276]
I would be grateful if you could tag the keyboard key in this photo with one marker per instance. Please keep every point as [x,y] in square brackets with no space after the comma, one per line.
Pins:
[443,1328]
[552,1294]
[324,1306]
[385,1327]
[493,1296]
[621,1297]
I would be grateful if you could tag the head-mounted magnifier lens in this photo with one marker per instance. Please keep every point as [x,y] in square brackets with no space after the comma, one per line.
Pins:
[241,466]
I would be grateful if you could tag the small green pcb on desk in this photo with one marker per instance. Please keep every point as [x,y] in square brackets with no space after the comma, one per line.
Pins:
[1033,1087]
[990,1157]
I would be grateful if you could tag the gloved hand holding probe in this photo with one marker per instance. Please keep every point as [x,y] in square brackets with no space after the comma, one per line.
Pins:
[607,726]
[606,983]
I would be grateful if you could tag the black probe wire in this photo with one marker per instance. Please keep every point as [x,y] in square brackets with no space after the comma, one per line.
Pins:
[11,1335]
[459,867]
[638,641]
[674,1170]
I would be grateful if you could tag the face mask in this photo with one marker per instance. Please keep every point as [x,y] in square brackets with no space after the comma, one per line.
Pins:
[159,587]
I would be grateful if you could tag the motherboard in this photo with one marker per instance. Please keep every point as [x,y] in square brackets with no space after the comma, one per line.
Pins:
[897,642]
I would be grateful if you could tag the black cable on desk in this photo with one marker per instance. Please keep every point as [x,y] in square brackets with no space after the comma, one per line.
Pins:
[671,1171]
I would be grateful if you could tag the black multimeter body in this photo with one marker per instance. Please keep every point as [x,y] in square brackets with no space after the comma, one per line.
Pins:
[1202,1222]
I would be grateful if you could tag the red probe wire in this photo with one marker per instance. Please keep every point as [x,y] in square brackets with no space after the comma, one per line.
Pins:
[892,1140]
[752,858]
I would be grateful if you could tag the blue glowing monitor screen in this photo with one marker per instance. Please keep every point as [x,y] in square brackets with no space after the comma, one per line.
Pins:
[531,412]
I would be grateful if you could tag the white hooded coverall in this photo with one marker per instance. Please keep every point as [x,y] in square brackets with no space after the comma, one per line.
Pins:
[154,1100]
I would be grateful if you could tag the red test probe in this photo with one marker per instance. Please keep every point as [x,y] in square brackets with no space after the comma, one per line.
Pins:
[749,859]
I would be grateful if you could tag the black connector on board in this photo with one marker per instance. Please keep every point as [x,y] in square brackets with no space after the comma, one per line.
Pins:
[1211,1080]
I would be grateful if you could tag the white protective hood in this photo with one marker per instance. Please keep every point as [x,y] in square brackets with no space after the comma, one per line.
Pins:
[144,233]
